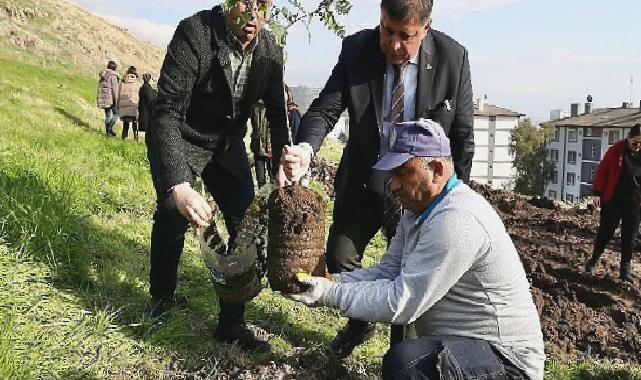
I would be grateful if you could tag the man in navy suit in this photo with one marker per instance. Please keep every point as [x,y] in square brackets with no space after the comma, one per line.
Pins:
[433,74]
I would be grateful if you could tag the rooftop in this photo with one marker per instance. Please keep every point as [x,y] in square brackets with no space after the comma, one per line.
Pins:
[604,117]
[492,110]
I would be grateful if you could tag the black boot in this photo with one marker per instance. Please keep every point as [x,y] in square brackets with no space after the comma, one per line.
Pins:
[592,262]
[356,332]
[625,274]
[242,336]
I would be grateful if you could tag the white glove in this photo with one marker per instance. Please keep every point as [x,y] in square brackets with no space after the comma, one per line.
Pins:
[296,160]
[318,293]
[191,205]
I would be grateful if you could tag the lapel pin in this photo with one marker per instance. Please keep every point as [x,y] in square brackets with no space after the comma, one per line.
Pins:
[428,67]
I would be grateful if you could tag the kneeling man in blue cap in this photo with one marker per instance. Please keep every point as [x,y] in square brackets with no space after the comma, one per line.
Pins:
[451,271]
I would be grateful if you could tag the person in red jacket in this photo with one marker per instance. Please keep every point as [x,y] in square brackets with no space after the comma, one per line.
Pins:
[617,189]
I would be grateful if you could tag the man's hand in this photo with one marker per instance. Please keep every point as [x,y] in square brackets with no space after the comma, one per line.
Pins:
[596,200]
[191,205]
[281,178]
[295,161]
[318,292]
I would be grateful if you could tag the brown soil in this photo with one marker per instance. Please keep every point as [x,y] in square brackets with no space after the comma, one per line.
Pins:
[296,237]
[581,313]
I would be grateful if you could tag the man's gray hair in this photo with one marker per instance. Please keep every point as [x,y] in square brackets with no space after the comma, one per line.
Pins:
[448,164]
[403,10]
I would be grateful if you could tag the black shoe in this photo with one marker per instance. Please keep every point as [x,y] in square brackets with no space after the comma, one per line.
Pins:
[355,333]
[241,336]
[159,308]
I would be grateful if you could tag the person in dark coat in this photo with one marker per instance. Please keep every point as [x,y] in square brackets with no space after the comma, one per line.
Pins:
[145,99]
[215,69]
[293,114]
[617,189]
[401,59]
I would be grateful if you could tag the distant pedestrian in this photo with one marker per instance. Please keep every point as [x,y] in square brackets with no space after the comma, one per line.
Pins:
[260,144]
[293,113]
[128,102]
[107,96]
[617,189]
[146,96]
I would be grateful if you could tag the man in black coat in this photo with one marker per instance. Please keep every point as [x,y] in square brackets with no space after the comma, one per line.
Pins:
[217,66]
[434,77]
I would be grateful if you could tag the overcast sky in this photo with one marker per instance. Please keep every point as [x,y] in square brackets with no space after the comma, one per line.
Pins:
[528,55]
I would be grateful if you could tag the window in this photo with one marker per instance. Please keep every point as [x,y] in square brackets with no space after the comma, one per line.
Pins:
[552,194]
[592,174]
[591,132]
[571,157]
[554,155]
[569,198]
[572,135]
[556,134]
[571,179]
[555,177]
[613,136]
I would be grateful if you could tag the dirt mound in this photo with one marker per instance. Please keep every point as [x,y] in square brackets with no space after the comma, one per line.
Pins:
[594,314]
[581,313]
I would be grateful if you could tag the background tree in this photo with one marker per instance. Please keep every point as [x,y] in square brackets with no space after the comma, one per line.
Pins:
[533,170]
[283,14]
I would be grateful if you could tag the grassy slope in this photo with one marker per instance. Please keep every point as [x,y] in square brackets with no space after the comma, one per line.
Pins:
[75,214]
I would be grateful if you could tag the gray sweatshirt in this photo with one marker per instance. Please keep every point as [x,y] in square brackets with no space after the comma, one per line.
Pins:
[455,274]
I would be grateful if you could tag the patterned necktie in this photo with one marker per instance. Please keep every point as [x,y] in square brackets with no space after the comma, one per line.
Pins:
[392,208]
[398,101]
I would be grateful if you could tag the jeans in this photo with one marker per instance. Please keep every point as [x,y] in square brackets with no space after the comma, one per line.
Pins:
[111,117]
[458,358]
[233,197]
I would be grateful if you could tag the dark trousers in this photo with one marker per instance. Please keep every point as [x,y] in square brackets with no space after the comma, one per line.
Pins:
[355,224]
[233,197]
[428,359]
[262,165]
[125,127]
[611,216]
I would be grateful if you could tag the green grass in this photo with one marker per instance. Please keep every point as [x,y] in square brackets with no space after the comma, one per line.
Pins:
[75,218]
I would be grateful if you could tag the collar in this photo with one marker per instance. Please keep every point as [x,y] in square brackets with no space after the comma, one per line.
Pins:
[451,184]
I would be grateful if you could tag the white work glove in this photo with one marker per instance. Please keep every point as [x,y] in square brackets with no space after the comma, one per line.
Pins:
[191,205]
[318,292]
[296,160]
[596,200]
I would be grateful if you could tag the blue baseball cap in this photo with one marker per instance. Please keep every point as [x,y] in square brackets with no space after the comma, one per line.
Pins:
[422,138]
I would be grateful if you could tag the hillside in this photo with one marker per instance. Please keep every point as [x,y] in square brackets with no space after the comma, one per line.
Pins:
[58,32]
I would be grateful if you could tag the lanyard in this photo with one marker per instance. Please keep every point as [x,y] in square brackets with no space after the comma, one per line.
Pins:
[451,184]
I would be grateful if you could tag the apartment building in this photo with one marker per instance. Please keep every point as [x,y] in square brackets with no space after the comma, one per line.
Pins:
[492,163]
[580,142]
